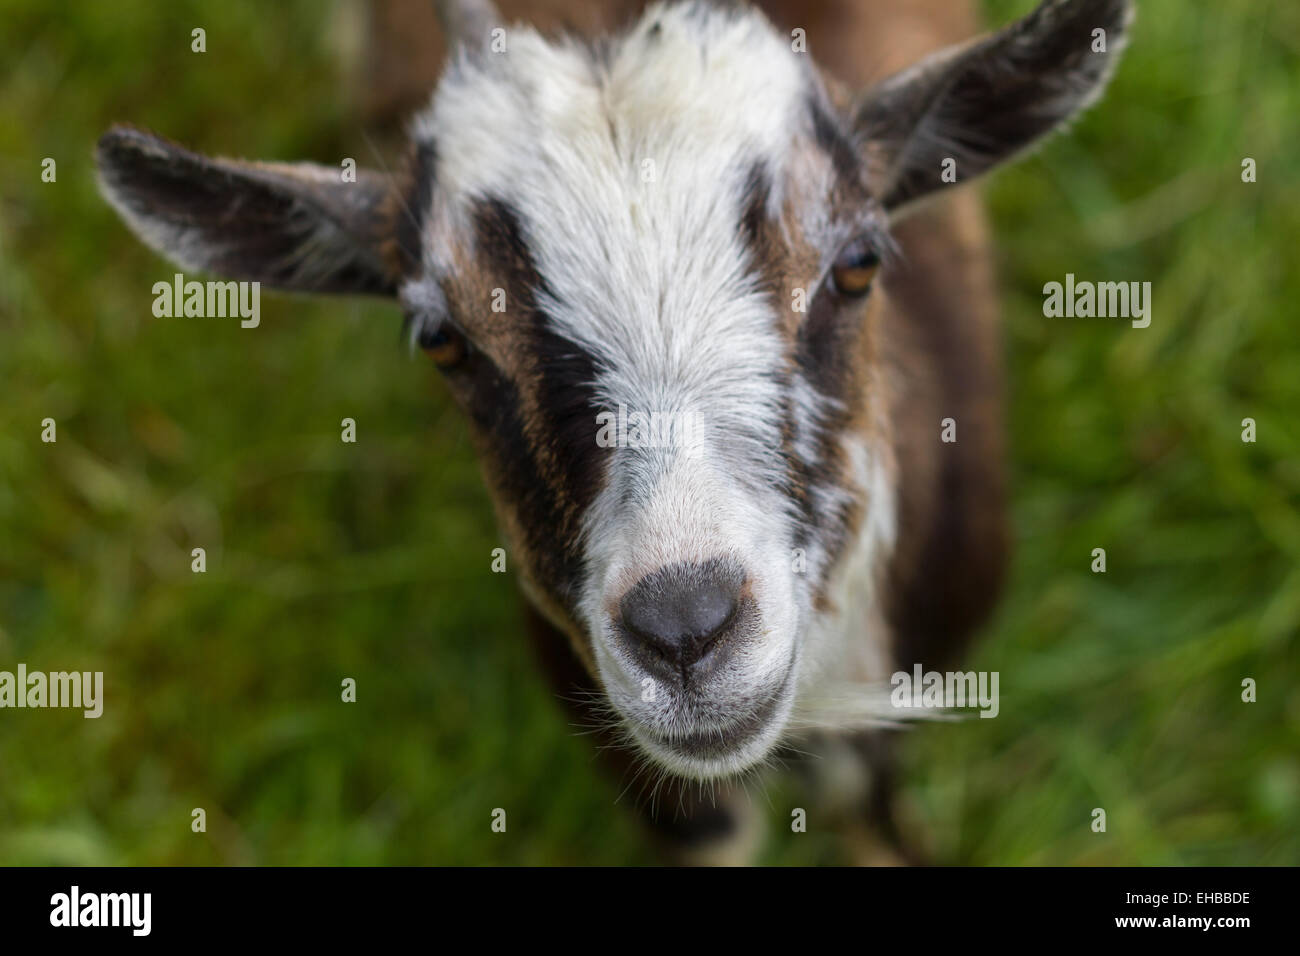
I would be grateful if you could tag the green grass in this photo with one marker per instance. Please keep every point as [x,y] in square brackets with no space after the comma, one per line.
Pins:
[327,560]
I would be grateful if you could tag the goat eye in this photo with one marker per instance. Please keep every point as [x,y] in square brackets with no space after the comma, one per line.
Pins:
[443,344]
[854,269]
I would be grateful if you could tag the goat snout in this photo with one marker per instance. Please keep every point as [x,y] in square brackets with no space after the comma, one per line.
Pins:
[679,621]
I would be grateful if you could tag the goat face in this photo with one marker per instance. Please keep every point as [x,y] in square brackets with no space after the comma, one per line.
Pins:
[645,268]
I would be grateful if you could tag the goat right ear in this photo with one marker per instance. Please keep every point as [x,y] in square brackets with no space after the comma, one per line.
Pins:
[981,103]
[293,226]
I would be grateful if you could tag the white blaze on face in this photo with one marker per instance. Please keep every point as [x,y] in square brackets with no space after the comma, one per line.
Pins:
[627,168]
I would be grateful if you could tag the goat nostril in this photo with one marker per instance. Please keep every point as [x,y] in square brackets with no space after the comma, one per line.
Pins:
[680,611]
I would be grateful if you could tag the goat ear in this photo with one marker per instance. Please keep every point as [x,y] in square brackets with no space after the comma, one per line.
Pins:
[983,102]
[293,226]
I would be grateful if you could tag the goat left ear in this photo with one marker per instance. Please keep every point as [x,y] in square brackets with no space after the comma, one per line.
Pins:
[981,103]
[293,226]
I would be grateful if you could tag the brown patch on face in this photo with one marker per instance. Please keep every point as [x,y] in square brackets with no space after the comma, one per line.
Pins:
[529,392]
[831,346]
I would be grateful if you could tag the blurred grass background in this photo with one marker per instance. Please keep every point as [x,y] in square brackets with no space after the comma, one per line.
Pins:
[328,560]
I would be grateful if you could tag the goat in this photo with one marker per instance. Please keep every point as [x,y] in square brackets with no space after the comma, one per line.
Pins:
[689,218]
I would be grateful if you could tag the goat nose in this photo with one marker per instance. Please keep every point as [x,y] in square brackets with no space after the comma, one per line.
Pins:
[677,613]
